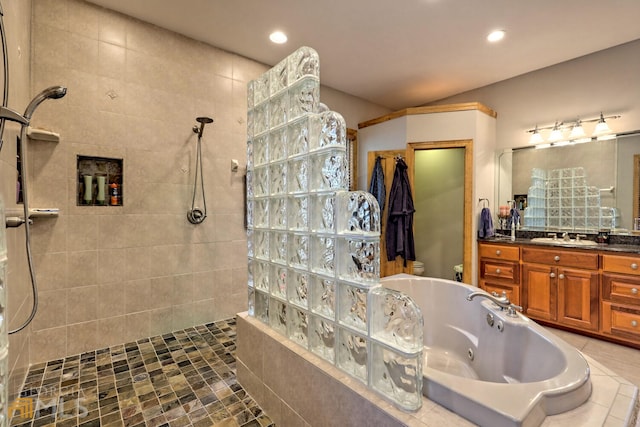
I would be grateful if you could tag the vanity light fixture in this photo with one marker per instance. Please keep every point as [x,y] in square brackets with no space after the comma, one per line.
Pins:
[602,131]
[602,128]
[577,131]
[278,37]
[536,138]
[556,133]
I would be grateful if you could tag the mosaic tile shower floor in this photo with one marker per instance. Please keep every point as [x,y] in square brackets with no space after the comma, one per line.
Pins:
[184,378]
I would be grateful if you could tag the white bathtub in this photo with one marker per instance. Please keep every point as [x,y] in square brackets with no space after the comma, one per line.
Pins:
[513,373]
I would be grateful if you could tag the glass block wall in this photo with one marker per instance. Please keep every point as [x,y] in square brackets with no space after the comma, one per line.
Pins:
[313,246]
[562,198]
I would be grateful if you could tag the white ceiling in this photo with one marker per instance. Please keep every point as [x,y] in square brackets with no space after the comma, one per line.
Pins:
[402,53]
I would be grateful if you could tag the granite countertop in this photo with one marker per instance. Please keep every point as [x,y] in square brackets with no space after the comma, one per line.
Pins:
[617,243]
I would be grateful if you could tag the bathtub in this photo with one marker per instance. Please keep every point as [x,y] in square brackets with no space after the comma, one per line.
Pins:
[513,373]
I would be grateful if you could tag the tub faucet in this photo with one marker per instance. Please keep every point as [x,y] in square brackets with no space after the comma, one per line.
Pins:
[501,301]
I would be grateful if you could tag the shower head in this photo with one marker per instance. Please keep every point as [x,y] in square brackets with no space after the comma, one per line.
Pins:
[203,121]
[53,92]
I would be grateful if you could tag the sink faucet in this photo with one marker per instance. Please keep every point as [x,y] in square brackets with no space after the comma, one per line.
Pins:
[501,301]
[565,236]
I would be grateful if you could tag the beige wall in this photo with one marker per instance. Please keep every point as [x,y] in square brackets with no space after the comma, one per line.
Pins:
[17,20]
[604,81]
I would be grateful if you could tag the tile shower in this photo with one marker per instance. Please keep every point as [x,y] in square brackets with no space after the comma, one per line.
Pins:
[314,254]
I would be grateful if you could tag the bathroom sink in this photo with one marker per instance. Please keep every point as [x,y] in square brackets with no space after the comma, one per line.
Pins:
[559,241]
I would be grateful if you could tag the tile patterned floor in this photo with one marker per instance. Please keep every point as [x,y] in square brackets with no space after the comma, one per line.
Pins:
[184,378]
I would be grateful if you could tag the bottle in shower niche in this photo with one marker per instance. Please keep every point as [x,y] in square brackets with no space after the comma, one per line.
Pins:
[114,194]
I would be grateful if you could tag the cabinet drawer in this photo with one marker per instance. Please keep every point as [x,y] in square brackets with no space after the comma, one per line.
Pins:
[505,252]
[620,320]
[512,291]
[626,264]
[618,288]
[566,258]
[507,271]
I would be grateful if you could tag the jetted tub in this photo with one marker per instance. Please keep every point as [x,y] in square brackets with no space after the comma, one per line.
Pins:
[513,373]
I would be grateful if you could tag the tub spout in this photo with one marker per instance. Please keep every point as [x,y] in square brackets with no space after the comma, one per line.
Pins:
[501,301]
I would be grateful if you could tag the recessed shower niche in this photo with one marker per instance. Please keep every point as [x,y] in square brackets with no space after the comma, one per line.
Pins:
[99,181]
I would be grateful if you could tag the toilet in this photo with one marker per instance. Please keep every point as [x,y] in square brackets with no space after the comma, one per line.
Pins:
[418,268]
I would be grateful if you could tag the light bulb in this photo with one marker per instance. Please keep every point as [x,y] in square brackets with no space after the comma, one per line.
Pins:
[556,133]
[577,131]
[536,138]
[602,127]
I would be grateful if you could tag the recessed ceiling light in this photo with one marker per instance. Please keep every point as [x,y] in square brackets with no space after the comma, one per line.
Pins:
[496,36]
[278,37]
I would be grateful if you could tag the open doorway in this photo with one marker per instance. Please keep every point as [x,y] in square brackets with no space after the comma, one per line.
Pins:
[441,179]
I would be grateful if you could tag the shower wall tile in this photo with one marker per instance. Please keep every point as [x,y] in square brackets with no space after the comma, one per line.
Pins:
[136,295]
[111,265]
[137,263]
[82,304]
[112,27]
[83,19]
[82,235]
[111,300]
[48,344]
[51,12]
[183,289]
[52,310]
[111,60]
[82,337]
[49,236]
[111,331]
[51,271]
[136,326]
[83,53]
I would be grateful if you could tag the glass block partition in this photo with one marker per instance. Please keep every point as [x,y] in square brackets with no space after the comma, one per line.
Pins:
[314,247]
[561,198]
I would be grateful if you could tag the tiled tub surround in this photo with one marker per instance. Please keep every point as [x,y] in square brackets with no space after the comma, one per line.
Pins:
[314,248]
[184,378]
[278,374]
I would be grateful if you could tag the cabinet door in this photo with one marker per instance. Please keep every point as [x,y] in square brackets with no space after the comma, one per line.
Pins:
[540,290]
[512,291]
[578,298]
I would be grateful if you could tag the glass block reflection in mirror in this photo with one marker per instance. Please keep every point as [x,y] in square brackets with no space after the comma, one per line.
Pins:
[313,269]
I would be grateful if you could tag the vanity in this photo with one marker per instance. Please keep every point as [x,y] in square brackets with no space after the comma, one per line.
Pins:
[588,289]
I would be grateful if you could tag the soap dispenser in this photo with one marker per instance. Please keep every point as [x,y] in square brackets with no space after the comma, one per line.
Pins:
[513,229]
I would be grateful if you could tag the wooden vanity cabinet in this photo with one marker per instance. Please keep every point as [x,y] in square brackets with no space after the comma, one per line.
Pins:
[500,270]
[621,296]
[561,286]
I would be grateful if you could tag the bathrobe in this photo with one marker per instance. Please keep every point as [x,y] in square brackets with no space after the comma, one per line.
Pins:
[399,233]
[376,186]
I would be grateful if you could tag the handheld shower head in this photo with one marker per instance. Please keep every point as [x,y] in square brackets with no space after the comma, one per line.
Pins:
[53,92]
[203,121]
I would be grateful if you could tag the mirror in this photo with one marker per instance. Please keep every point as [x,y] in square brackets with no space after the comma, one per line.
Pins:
[584,174]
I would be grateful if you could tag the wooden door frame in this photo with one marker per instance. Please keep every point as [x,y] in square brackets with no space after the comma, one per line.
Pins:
[467,228]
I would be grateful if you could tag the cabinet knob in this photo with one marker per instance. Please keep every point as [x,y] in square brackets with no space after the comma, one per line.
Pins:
[498,271]
[634,323]
[634,291]
[498,252]
[634,266]
[552,275]
[556,258]
[561,276]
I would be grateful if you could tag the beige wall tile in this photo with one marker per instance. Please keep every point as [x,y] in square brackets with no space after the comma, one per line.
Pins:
[160,321]
[82,305]
[137,326]
[51,270]
[82,337]
[161,292]
[82,234]
[111,265]
[111,331]
[48,344]
[111,300]
[137,294]
[83,268]
[52,310]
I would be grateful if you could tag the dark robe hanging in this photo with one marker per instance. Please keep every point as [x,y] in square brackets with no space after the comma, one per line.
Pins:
[376,186]
[399,235]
